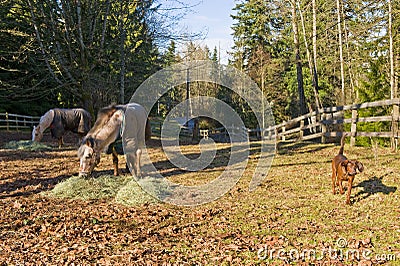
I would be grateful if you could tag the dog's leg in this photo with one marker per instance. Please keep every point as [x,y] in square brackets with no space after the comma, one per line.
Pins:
[349,186]
[333,179]
[341,186]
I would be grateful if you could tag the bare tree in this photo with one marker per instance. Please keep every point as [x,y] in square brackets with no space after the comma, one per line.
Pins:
[393,89]
[311,67]
[314,39]
[299,66]
[339,24]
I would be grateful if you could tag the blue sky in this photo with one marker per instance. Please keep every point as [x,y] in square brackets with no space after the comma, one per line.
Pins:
[213,18]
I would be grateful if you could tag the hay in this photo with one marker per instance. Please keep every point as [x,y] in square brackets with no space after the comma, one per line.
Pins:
[123,189]
[132,194]
[27,145]
[156,187]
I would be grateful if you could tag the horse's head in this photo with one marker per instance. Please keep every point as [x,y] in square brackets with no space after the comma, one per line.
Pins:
[37,133]
[88,157]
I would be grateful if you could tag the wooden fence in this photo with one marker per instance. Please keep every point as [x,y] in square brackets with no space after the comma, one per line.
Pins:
[324,124]
[327,123]
[17,122]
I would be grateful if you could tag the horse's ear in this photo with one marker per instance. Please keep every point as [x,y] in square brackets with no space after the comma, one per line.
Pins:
[90,142]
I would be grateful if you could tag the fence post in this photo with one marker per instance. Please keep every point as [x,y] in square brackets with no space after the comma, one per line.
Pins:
[276,140]
[301,133]
[395,127]
[7,125]
[323,128]
[354,116]
[283,133]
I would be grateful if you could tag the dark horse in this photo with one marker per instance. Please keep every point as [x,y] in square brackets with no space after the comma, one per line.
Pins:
[106,132]
[59,121]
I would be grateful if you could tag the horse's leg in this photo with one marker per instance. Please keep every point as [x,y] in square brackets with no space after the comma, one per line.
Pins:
[137,162]
[60,142]
[115,161]
[132,163]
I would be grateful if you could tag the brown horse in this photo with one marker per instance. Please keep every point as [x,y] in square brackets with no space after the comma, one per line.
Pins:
[59,121]
[132,118]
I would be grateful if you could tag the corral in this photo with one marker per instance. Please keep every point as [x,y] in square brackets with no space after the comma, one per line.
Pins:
[293,212]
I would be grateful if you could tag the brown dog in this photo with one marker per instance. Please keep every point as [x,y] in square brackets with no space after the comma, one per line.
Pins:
[344,170]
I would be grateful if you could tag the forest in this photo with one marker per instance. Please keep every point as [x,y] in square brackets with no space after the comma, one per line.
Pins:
[303,55]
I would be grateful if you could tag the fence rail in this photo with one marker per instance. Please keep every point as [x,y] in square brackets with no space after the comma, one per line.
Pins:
[17,122]
[328,123]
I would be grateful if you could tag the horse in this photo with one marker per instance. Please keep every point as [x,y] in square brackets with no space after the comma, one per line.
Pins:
[113,122]
[59,121]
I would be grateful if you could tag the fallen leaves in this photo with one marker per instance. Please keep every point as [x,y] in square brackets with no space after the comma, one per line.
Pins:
[295,211]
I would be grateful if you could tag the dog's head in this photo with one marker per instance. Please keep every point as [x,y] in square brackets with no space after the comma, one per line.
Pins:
[351,166]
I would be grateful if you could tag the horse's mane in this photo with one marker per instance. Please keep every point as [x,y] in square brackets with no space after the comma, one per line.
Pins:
[106,128]
[46,119]
[103,116]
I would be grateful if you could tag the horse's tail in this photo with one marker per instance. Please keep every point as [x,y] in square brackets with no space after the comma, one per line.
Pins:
[147,134]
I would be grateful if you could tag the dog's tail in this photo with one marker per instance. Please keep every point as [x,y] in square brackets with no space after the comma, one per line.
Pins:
[342,143]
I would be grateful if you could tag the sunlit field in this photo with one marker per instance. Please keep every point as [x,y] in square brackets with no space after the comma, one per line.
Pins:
[292,217]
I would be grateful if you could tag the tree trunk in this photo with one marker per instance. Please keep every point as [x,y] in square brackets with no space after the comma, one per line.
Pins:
[103,32]
[314,39]
[80,37]
[315,73]
[352,86]
[122,55]
[339,23]
[41,46]
[310,63]
[393,89]
[300,85]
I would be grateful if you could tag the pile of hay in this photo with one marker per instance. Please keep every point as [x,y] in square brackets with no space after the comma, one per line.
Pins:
[27,145]
[123,189]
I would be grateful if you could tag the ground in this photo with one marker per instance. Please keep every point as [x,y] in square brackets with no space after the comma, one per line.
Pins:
[291,213]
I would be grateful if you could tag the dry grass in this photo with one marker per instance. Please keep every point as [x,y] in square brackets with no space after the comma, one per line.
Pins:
[293,208]
[123,189]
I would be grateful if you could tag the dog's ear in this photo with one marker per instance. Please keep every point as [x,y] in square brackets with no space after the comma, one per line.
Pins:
[360,166]
[344,165]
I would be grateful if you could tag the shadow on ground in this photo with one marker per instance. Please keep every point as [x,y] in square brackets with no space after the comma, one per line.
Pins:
[373,186]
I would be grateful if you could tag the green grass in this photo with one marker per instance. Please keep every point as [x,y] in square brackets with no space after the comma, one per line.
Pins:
[296,200]
[27,145]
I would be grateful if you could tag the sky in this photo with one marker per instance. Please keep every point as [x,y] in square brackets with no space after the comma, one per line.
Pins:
[213,18]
